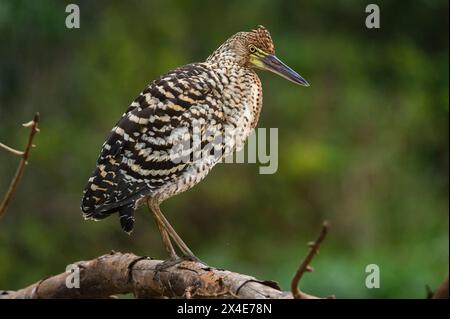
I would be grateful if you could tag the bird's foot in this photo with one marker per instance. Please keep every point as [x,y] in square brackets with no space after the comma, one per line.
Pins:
[175,260]
[191,258]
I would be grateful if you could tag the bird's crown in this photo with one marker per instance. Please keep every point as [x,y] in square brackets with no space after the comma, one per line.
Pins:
[261,38]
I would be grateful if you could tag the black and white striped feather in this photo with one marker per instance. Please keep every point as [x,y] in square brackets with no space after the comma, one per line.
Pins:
[135,160]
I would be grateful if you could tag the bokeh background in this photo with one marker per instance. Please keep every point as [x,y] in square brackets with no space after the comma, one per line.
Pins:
[365,147]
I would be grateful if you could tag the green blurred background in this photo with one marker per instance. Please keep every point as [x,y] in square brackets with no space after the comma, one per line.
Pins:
[365,147]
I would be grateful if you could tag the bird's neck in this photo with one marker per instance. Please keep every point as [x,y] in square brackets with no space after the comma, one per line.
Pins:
[241,88]
[224,57]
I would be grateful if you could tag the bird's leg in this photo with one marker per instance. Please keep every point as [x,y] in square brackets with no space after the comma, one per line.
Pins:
[180,243]
[164,235]
[166,240]
[176,238]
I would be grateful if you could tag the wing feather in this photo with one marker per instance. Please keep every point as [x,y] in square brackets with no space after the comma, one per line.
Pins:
[135,158]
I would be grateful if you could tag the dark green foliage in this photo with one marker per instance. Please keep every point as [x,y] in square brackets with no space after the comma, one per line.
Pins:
[366,146]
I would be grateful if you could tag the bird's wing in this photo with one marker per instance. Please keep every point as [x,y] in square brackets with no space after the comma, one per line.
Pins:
[136,158]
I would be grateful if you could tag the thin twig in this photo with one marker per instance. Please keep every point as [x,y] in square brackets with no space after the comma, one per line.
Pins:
[442,291]
[305,265]
[33,125]
[11,150]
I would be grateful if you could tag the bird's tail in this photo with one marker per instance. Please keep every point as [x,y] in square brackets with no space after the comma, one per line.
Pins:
[108,191]
[102,198]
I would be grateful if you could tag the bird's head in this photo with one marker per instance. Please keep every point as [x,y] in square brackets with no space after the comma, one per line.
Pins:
[255,49]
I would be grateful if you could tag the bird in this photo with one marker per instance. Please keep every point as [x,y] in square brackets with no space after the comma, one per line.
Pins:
[178,128]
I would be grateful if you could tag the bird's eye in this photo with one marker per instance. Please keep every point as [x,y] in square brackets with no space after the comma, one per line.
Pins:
[252,49]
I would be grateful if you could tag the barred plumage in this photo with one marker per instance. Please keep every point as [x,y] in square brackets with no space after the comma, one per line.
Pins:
[152,153]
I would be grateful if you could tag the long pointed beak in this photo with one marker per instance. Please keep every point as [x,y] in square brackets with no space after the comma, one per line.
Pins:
[275,65]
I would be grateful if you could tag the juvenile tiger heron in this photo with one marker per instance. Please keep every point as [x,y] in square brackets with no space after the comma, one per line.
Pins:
[138,164]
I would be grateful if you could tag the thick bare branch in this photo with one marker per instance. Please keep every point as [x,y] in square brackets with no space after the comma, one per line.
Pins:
[33,125]
[119,273]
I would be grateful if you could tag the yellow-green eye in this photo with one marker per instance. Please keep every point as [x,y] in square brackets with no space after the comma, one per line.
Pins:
[252,49]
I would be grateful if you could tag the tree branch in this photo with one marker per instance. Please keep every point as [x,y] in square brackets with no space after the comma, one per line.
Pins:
[305,264]
[119,273]
[33,125]
[442,291]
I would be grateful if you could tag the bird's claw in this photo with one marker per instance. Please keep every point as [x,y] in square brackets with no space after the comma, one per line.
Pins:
[175,260]
[191,258]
